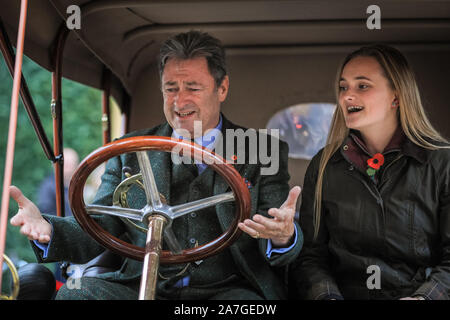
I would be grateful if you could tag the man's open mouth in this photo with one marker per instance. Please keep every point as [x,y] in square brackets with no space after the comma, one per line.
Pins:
[184,114]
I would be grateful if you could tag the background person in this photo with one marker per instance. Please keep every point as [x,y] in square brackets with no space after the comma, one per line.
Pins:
[47,197]
[47,190]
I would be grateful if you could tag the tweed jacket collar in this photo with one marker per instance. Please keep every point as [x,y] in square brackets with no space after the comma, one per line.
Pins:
[162,167]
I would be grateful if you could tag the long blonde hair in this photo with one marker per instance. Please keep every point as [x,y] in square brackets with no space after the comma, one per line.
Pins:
[412,117]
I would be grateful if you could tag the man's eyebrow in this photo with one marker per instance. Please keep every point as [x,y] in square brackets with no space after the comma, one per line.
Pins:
[189,83]
[170,83]
[193,83]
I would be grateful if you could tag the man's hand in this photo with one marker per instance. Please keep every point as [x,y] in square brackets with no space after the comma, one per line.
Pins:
[29,218]
[280,229]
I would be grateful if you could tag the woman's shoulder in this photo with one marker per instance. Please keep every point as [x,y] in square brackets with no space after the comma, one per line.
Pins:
[437,158]
[314,164]
[430,151]
[441,155]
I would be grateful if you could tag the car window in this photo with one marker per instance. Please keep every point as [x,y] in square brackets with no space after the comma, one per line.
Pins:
[304,127]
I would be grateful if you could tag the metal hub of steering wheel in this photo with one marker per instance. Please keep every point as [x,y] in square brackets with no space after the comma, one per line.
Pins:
[154,206]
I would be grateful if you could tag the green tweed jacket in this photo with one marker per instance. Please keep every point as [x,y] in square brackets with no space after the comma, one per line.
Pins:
[70,243]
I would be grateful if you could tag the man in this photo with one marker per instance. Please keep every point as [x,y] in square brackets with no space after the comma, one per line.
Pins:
[194,83]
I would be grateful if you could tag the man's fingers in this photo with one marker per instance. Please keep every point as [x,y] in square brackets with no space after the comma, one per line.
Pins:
[283,212]
[292,198]
[44,238]
[33,235]
[279,229]
[17,220]
[18,196]
[261,221]
[266,227]
[25,230]
[280,214]
[29,218]
[251,232]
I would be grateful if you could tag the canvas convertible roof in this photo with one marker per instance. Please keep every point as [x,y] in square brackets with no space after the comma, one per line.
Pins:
[126,35]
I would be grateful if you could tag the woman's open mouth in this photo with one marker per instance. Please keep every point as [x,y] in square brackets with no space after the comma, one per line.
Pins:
[354,109]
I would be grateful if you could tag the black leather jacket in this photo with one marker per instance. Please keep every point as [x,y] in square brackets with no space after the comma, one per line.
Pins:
[400,224]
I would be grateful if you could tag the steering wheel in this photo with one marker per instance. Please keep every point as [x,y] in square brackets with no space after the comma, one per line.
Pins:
[82,212]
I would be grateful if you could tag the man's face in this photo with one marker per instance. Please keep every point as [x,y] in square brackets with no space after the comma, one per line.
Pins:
[190,94]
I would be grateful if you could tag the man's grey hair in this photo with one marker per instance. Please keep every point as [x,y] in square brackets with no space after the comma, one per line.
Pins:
[195,44]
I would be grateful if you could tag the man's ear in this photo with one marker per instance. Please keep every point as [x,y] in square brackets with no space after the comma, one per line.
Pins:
[223,89]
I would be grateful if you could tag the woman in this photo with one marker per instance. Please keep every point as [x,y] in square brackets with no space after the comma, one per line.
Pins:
[376,200]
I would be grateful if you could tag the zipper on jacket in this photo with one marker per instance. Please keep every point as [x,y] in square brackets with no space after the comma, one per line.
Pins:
[385,169]
[364,178]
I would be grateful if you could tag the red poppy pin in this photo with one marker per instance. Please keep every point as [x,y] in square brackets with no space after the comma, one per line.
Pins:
[374,164]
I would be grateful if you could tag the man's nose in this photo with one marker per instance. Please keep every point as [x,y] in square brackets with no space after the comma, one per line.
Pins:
[181,98]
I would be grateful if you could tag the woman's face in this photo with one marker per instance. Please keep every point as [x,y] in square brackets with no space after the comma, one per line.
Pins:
[365,96]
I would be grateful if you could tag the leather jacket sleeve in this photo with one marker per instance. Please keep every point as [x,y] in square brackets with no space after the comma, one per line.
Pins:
[437,286]
[311,271]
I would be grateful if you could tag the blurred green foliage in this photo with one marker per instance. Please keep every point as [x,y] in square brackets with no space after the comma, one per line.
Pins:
[81,130]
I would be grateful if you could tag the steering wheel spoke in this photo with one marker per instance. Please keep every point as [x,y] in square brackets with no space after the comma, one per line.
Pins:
[151,190]
[185,208]
[133,214]
[171,240]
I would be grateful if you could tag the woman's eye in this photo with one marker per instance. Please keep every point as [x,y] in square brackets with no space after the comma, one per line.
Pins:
[363,86]
[342,88]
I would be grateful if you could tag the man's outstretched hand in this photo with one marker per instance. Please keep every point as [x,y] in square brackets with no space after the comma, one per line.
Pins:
[280,228]
[29,218]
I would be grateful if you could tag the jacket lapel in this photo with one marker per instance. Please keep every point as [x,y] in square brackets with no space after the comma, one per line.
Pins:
[220,186]
[224,214]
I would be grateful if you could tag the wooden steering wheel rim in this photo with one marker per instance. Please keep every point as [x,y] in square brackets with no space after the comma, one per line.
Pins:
[141,143]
